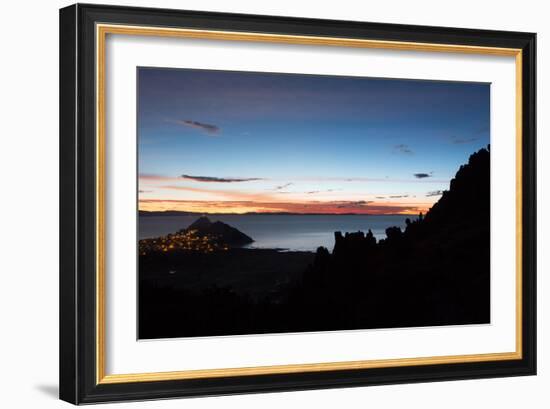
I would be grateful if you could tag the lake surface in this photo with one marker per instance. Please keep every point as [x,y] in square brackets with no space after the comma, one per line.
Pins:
[289,232]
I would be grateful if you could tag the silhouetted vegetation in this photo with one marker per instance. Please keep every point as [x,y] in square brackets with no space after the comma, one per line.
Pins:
[435,272]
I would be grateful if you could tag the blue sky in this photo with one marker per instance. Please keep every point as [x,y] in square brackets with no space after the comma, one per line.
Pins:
[279,142]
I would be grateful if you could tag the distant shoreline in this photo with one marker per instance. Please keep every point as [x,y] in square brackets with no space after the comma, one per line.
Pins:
[147,213]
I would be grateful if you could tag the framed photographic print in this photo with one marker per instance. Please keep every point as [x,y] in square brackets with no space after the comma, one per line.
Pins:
[257,203]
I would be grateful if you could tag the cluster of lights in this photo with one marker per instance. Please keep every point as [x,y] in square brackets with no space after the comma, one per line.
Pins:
[182,240]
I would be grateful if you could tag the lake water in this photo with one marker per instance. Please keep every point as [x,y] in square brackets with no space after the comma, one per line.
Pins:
[290,232]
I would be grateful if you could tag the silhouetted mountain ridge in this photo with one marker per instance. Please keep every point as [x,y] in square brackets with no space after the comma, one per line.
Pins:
[468,198]
[465,206]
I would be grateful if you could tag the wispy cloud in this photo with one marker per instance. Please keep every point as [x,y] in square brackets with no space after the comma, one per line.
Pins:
[202,193]
[201,126]
[148,181]
[459,141]
[398,196]
[403,148]
[214,179]
[149,177]
[472,136]
[367,179]
[309,192]
[354,205]
[284,186]
[434,193]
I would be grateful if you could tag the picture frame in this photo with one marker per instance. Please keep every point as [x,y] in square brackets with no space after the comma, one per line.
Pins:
[83,283]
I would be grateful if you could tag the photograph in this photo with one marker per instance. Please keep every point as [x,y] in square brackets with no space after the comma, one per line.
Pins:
[289,203]
[251,202]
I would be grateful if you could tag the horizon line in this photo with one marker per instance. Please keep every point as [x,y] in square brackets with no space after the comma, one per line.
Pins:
[280,213]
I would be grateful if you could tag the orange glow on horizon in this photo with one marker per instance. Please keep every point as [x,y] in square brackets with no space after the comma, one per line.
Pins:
[242,207]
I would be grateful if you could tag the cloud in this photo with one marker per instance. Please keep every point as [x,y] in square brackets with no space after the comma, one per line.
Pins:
[213,179]
[354,204]
[434,193]
[310,192]
[422,175]
[281,187]
[398,196]
[148,177]
[402,148]
[476,135]
[459,141]
[366,179]
[148,180]
[207,128]
[219,194]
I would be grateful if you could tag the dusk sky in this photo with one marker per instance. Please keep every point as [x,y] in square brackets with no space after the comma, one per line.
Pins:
[237,142]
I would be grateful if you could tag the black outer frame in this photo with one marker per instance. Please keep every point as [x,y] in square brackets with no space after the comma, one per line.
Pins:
[78,195]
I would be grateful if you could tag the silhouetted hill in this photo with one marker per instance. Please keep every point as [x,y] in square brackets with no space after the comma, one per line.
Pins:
[222,231]
[468,199]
